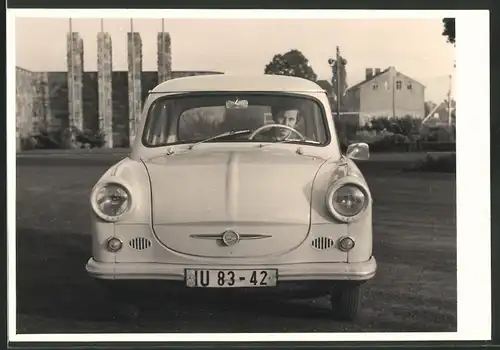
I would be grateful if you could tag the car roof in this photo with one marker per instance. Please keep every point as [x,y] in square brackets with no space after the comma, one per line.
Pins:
[229,82]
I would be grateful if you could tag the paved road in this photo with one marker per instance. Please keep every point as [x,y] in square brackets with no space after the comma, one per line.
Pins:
[414,290]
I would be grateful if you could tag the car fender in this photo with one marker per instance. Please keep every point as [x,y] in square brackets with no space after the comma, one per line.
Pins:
[133,175]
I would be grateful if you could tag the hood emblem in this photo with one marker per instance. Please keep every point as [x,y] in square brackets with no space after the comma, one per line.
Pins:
[230,237]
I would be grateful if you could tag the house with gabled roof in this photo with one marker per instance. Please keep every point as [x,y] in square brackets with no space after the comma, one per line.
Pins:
[386,93]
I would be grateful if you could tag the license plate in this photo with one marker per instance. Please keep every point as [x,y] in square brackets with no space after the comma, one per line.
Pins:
[230,278]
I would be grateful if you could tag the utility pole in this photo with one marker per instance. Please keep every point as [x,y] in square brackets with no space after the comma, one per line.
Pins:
[336,79]
[337,64]
[394,96]
[336,71]
[72,75]
[449,104]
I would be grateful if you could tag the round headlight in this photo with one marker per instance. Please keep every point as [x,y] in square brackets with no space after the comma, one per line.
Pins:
[112,200]
[348,200]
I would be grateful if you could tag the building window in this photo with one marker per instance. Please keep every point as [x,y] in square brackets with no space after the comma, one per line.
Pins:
[408,86]
[375,86]
[398,85]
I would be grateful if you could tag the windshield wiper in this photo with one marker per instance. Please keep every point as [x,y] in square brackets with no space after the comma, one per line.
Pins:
[229,133]
[290,141]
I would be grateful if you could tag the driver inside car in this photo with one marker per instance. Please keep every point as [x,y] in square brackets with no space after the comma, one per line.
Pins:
[288,118]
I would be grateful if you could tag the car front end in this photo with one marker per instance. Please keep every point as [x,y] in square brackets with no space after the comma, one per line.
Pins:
[227,215]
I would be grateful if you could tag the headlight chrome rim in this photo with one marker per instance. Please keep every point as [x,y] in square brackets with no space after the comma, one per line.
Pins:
[95,205]
[352,191]
[347,181]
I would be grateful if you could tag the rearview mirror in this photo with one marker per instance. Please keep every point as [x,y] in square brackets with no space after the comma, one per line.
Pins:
[238,104]
[358,151]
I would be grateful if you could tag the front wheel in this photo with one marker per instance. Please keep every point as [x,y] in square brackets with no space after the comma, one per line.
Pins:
[346,301]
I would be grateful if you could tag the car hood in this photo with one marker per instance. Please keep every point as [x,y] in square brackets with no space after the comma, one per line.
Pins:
[263,193]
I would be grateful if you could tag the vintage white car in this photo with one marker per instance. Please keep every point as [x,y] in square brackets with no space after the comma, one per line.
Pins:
[236,182]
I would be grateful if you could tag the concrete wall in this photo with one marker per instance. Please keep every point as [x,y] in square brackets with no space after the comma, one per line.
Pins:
[164,57]
[32,103]
[52,106]
[42,111]
[104,84]
[25,95]
[75,79]
[103,101]
[134,83]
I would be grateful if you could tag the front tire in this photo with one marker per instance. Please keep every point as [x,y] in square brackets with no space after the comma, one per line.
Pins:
[346,301]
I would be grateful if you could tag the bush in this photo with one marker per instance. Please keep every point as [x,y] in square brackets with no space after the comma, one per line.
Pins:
[431,146]
[45,139]
[58,138]
[390,143]
[27,143]
[343,146]
[404,126]
[379,124]
[346,133]
[89,139]
[438,133]
[438,163]
[384,134]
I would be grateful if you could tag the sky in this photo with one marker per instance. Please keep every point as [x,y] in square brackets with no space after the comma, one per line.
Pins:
[415,47]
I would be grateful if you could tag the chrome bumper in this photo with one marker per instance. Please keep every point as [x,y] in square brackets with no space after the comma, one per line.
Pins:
[286,272]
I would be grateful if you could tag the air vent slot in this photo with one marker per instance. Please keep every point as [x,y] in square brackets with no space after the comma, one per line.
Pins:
[139,243]
[322,243]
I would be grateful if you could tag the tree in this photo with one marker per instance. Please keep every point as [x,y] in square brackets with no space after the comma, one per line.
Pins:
[292,63]
[325,84]
[429,106]
[449,29]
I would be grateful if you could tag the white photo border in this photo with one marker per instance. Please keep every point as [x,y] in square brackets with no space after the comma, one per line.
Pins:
[473,174]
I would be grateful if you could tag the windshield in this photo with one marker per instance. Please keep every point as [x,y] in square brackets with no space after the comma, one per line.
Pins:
[234,117]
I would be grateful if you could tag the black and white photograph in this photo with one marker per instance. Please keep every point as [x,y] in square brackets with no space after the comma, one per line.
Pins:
[248,175]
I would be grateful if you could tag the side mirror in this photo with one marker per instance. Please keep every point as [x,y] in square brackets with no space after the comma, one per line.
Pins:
[358,151]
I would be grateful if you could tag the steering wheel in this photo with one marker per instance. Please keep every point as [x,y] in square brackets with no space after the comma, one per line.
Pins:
[270,126]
